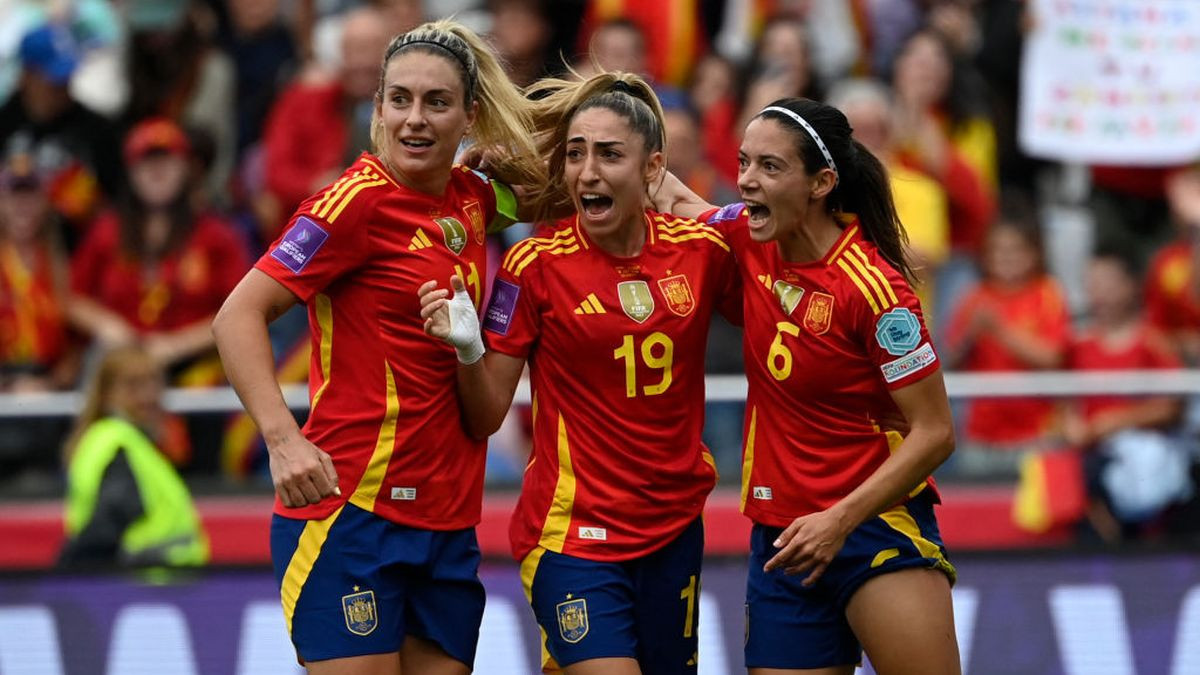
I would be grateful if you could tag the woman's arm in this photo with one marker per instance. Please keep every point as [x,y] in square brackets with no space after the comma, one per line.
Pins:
[810,543]
[99,322]
[182,344]
[302,473]
[671,195]
[486,382]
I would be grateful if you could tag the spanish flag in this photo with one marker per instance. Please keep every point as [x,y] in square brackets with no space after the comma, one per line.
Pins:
[1050,491]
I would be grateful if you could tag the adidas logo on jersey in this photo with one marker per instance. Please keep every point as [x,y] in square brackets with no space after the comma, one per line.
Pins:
[420,240]
[595,533]
[590,305]
[763,492]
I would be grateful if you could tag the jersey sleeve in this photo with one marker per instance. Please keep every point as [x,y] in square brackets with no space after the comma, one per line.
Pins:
[726,219]
[896,338]
[512,322]
[325,239]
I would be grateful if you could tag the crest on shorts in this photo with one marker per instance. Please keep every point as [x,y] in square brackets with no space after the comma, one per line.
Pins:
[572,619]
[454,233]
[475,217]
[361,614]
[788,295]
[636,299]
[678,293]
[819,313]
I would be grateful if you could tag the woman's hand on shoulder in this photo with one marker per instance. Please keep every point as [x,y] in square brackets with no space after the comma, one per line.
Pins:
[302,473]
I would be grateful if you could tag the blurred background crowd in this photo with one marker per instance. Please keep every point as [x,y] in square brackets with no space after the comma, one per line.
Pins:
[151,149]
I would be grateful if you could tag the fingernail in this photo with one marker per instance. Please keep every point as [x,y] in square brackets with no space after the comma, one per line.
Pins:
[337,490]
[778,543]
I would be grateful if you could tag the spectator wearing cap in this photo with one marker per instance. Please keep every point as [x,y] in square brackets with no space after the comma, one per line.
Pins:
[157,269]
[77,147]
[175,71]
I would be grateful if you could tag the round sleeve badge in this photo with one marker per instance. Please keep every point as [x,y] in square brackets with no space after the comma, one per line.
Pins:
[898,331]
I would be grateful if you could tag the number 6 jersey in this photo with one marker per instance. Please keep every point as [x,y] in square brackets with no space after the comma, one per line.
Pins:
[825,343]
[615,348]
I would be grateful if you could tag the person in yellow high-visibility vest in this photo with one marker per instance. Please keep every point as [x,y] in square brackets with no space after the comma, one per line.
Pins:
[126,504]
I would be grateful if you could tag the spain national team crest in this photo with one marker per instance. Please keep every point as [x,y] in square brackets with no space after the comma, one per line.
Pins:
[636,299]
[819,314]
[361,614]
[572,619]
[475,217]
[788,295]
[454,233]
[678,293]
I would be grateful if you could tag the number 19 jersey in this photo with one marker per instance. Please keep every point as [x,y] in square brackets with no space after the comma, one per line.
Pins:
[615,348]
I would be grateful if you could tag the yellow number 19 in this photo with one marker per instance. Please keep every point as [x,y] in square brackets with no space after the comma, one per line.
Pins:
[661,361]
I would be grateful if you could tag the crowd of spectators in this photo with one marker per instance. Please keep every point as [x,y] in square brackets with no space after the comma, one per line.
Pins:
[151,149]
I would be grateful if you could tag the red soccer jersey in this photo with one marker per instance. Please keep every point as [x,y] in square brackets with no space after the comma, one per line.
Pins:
[382,392]
[616,357]
[1145,349]
[1037,308]
[186,286]
[825,343]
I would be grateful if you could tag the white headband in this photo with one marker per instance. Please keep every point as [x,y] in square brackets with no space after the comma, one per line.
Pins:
[811,132]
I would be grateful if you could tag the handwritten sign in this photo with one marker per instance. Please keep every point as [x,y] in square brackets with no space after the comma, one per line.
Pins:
[1112,81]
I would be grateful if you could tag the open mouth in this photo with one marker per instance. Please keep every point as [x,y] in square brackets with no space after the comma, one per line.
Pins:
[416,143]
[595,205]
[758,213]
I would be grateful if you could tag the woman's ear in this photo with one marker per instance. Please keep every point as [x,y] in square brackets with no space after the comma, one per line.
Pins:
[823,183]
[655,165]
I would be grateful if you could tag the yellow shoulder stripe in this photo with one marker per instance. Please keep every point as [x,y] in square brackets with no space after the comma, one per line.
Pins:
[521,248]
[859,272]
[716,239]
[846,237]
[335,189]
[350,197]
[887,285]
[563,248]
[688,226]
[858,282]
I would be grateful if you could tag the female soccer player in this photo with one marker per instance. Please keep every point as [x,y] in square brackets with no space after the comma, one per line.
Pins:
[611,310]
[845,551]
[373,537]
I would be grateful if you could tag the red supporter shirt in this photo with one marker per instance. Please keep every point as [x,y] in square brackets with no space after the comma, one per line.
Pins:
[32,332]
[1172,301]
[186,286]
[616,357]
[1036,308]
[1147,349]
[825,344]
[382,392]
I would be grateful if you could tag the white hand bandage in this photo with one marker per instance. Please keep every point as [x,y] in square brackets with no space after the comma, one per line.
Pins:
[464,328]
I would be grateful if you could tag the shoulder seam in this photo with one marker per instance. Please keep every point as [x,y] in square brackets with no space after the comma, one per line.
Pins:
[339,195]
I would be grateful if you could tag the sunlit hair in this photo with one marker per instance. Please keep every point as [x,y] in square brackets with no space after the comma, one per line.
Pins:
[558,101]
[116,363]
[862,188]
[505,117]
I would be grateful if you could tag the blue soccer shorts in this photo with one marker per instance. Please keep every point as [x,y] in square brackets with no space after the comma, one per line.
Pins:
[355,584]
[645,609]
[790,626]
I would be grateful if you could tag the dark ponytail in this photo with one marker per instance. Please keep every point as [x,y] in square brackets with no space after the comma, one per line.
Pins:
[862,181]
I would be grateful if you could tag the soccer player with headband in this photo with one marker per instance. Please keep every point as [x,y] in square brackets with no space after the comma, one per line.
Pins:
[845,551]
[373,537]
